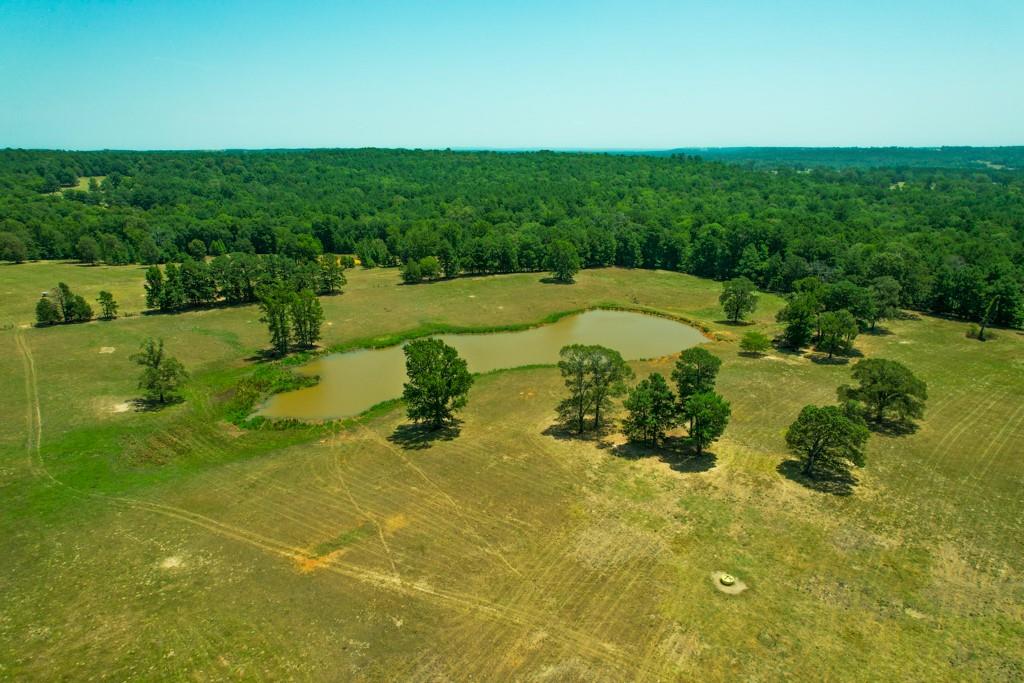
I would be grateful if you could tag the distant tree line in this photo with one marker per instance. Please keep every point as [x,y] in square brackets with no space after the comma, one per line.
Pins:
[951,240]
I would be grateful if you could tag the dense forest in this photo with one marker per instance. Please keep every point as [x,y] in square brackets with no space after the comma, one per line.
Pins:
[953,239]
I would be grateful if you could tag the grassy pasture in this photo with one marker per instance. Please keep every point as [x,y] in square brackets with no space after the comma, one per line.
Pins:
[170,545]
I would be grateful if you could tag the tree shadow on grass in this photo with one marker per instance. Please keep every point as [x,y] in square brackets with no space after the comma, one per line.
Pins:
[565,432]
[148,405]
[838,481]
[735,323]
[890,427]
[415,437]
[556,281]
[821,357]
[264,356]
[676,451]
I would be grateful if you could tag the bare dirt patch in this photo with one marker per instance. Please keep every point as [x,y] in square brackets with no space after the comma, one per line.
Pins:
[172,562]
[735,589]
[107,349]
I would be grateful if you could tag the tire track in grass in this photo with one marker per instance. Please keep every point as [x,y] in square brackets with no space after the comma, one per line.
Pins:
[459,510]
[376,524]
[411,502]
[1001,440]
[581,642]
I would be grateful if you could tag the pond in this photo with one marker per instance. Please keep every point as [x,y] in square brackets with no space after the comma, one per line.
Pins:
[353,381]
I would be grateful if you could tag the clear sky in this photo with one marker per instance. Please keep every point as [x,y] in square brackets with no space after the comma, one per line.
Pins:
[554,74]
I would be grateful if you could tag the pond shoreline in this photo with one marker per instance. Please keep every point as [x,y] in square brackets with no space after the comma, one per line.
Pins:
[375,372]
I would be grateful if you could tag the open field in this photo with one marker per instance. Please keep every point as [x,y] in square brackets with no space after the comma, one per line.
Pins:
[170,545]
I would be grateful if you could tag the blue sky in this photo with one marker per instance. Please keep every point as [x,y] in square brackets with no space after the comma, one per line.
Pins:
[554,74]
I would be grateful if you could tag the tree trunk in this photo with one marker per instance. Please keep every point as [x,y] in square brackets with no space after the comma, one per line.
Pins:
[809,465]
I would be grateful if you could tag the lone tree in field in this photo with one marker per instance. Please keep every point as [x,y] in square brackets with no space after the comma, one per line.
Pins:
[887,389]
[827,437]
[652,410]
[276,305]
[162,375]
[708,414]
[107,305]
[738,298]
[438,382]
[755,343]
[563,260]
[695,372]
[593,375]
[307,316]
[838,330]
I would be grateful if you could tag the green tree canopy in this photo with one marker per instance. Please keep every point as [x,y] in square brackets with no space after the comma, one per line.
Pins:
[738,298]
[800,316]
[307,316]
[438,383]
[563,260]
[276,304]
[652,410]
[886,388]
[827,437]
[87,249]
[695,372]
[838,330]
[107,305]
[162,375]
[47,312]
[593,375]
[12,248]
[755,343]
[708,414]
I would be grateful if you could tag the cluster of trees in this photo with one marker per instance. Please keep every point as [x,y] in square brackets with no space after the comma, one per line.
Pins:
[291,317]
[594,375]
[832,314]
[949,238]
[425,269]
[654,408]
[61,305]
[827,438]
[238,279]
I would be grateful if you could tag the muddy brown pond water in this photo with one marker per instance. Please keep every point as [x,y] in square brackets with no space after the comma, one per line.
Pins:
[353,381]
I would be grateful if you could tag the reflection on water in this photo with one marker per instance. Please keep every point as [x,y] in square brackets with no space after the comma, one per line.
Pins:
[352,382]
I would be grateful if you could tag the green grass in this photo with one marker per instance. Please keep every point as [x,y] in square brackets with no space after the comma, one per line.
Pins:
[172,545]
